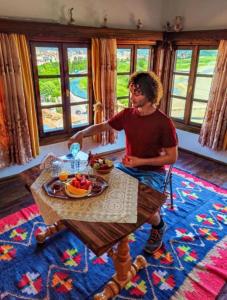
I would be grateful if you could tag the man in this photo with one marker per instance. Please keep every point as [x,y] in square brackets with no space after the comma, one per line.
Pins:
[151,141]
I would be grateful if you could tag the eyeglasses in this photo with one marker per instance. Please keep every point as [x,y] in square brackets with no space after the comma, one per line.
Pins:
[135,90]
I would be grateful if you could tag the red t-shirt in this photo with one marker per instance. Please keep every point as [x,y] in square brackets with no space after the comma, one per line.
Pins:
[145,135]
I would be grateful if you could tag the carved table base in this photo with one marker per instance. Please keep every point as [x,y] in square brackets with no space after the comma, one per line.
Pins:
[125,270]
[50,230]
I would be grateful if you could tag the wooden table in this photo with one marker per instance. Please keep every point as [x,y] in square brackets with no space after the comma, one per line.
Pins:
[101,237]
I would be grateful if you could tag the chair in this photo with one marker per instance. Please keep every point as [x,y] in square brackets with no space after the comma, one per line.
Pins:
[168,181]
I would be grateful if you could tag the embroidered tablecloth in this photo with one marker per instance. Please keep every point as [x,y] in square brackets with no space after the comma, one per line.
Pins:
[118,203]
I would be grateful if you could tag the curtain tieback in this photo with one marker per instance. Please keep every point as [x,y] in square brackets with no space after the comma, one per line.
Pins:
[98,106]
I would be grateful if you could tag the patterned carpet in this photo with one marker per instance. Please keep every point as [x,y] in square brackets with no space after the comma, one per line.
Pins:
[192,264]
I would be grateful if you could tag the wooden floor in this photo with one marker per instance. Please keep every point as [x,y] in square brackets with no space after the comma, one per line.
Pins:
[14,195]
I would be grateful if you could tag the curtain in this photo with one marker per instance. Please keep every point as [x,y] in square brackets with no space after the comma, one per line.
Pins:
[213,132]
[104,75]
[4,137]
[162,66]
[18,98]
[29,92]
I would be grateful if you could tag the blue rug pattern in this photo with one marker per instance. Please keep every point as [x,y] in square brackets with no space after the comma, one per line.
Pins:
[64,268]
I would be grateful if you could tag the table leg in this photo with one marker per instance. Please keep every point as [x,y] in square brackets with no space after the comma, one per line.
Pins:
[125,270]
[50,230]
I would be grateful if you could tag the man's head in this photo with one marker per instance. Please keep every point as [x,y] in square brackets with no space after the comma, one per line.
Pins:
[145,86]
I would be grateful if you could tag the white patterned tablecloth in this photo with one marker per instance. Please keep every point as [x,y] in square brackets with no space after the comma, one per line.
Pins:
[118,203]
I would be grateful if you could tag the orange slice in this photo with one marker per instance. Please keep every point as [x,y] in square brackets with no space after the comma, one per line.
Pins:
[76,191]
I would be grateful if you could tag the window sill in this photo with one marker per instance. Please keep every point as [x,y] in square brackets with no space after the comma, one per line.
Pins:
[189,128]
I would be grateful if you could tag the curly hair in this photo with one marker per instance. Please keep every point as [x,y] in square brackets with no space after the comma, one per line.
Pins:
[149,84]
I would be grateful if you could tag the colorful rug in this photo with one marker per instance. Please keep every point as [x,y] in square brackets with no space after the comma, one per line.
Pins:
[192,264]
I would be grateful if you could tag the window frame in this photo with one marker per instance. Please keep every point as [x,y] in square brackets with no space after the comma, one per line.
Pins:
[64,76]
[134,47]
[186,124]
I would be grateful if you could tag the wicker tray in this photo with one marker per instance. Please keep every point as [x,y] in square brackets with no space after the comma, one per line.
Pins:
[49,187]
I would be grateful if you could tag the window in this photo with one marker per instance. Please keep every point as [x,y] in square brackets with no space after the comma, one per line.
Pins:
[62,86]
[130,58]
[193,70]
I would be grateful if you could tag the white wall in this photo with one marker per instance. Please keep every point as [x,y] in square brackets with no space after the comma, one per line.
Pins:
[120,13]
[197,14]
[189,141]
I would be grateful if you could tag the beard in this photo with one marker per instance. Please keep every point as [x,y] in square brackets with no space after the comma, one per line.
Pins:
[139,104]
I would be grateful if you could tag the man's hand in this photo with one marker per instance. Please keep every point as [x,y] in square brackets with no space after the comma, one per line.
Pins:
[76,138]
[91,130]
[166,156]
[132,161]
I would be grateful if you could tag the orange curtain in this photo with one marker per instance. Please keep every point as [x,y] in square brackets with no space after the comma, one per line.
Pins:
[4,137]
[18,98]
[23,52]
[104,74]
[213,133]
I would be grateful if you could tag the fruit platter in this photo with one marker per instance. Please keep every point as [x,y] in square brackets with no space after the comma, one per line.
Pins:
[99,164]
[76,186]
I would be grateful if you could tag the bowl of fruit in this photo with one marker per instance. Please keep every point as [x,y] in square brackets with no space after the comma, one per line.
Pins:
[79,186]
[101,165]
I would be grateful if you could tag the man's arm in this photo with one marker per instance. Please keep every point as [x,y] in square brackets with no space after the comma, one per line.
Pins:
[168,157]
[91,130]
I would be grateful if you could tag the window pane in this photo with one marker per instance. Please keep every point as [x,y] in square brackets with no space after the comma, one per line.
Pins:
[177,108]
[52,119]
[207,61]
[121,104]
[202,88]
[50,91]
[77,60]
[123,60]
[47,60]
[183,60]
[180,85]
[122,85]
[79,114]
[142,60]
[78,89]
[198,112]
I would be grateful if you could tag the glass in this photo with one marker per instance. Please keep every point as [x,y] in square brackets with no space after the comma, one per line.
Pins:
[77,60]
[207,61]
[122,85]
[50,91]
[123,60]
[183,60]
[55,168]
[142,60]
[47,60]
[74,166]
[79,114]
[177,108]
[198,112]
[135,90]
[73,150]
[180,85]
[78,89]
[202,88]
[52,119]
[63,175]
